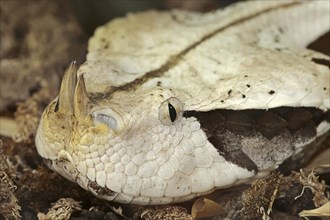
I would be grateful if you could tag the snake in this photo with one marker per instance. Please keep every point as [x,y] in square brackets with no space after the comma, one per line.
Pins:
[172,105]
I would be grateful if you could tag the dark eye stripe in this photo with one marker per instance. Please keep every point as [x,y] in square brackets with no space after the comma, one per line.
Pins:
[172,112]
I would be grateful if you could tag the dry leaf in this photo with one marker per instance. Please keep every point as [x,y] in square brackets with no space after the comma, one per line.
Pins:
[321,211]
[203,207]
[8,126]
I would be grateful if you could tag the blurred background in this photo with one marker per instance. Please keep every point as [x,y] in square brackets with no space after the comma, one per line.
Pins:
[94,13]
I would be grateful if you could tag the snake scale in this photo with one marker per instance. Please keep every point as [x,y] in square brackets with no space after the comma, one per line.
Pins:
[172,105]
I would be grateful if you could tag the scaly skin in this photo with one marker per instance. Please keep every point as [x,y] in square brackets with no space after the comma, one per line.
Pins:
[121,128]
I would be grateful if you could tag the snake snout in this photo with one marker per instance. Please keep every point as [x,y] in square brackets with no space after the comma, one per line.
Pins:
[64,116]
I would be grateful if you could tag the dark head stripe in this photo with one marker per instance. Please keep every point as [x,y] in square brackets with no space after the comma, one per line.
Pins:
[175,59]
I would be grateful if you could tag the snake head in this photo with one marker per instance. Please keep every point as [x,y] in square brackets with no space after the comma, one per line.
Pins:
[131,147]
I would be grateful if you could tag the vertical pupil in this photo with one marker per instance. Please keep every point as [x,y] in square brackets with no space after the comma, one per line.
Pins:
[172,112]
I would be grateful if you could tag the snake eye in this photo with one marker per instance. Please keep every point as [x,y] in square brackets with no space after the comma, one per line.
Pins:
[170,111]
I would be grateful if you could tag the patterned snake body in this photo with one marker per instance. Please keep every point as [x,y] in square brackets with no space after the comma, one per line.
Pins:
[173,105]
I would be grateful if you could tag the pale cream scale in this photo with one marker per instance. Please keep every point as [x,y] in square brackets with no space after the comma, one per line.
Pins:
[173,105]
